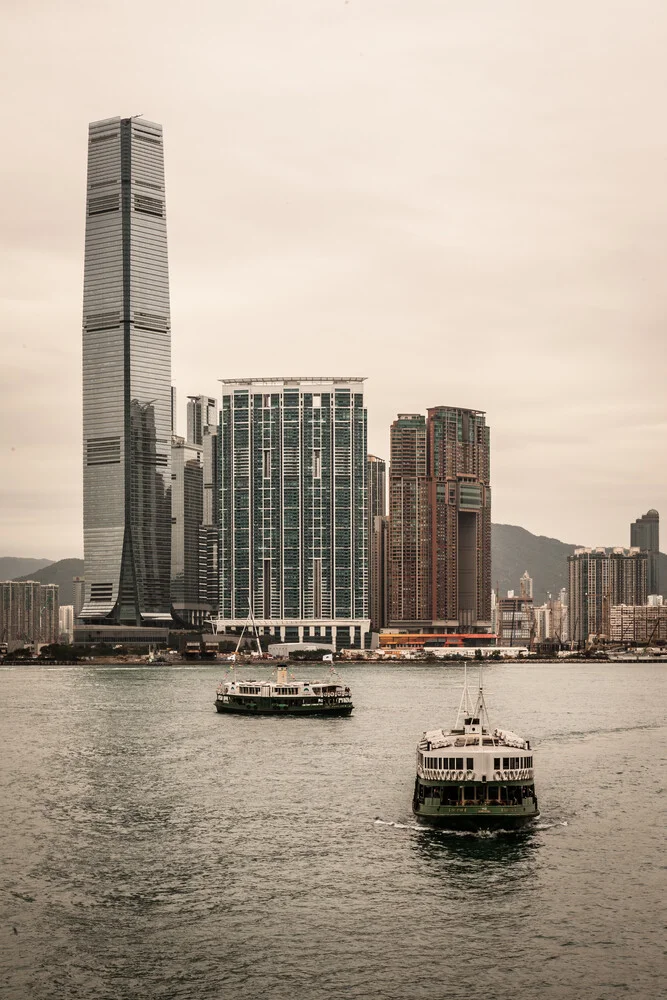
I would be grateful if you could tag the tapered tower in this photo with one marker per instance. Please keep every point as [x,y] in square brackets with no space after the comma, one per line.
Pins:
[126,377]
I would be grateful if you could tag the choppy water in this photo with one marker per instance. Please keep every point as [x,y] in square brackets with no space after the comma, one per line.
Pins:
[153,848]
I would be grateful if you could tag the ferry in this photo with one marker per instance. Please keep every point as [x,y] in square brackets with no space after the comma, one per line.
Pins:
[283,696]
[473,777]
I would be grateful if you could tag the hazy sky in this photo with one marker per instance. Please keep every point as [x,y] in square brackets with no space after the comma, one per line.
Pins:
[463,200]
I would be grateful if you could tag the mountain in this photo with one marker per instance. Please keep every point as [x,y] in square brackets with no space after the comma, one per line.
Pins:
[60,572]
[514,550]
[12,566]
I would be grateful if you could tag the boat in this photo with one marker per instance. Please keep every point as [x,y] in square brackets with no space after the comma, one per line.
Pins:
[283,695]
[473,777]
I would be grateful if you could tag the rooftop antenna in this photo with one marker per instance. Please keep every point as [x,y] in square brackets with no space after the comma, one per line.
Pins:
[140,115]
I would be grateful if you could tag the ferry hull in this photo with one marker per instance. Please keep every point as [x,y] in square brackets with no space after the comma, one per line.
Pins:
[309,710]
[474,818]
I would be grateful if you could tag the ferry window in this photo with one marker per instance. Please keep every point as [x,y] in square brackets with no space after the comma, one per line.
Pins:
[459,763]
[506,763]
[470,764]
[439,763]
[496,763]
[492,792]
[469,793]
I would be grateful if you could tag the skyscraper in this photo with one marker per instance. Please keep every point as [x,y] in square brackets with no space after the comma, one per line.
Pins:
[599,580]
[645,534]
[409,550]
[126,377]
[458,454]
[293,513]
[440,521]
[187,511]
[377,536]
[202,414]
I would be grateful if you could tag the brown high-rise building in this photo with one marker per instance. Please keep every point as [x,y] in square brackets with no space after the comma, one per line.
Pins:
[409,566]
[460,511]
[440,521]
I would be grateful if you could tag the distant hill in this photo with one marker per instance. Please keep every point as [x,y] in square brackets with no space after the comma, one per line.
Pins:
[60,572]
[12,566]
[513,550]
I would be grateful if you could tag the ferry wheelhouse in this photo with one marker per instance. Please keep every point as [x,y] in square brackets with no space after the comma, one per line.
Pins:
[283,696]
[474,777]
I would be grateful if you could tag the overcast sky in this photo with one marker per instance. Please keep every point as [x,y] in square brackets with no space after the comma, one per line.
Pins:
[463,200]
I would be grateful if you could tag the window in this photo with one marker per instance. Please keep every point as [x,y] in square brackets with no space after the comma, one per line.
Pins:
[470,764]
[459,763]
[267,463]
[506,763]
[149,206]
[496,763]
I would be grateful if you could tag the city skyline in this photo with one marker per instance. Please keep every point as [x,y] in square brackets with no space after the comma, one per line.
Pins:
[513,197]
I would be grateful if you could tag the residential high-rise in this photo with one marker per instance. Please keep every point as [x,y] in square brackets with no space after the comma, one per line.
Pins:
[293,508]
[66,623]
[379,573]
[28,611]
[645,534]
[187,511]
[126,377]
[526,585]
[202,413]
[458,452]
[599,580]
[409,549]
[440,521]
[79,595]
[377,507]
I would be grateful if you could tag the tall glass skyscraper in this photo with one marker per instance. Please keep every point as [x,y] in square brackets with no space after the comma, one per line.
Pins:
[293,509]
[126,377]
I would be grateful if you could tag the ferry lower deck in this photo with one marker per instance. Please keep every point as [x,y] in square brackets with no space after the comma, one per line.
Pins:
[475,804]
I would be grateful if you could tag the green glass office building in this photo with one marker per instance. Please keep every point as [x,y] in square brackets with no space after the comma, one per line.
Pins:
[293,509]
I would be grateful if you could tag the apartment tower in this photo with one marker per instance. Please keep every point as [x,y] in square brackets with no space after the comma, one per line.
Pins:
[409,523]
[126,377]
[645,534]
[377,541]
[293,509]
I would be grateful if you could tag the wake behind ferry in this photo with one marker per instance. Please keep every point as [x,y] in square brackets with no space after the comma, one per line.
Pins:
[470,777]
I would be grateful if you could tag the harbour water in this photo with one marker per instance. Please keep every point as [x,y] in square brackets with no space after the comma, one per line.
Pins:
[153,848]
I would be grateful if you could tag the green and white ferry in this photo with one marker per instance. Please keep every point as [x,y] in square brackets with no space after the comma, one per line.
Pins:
[283,695]
[472,777]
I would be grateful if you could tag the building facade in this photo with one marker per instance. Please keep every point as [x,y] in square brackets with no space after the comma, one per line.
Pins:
[66,623]
[376,480]
[379,573]
[28,612]
[126,377]
[638,624]
[409,562]
[440,521]
[293,514]
[515,621]
[600,579]
[187,510]
[645,534]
